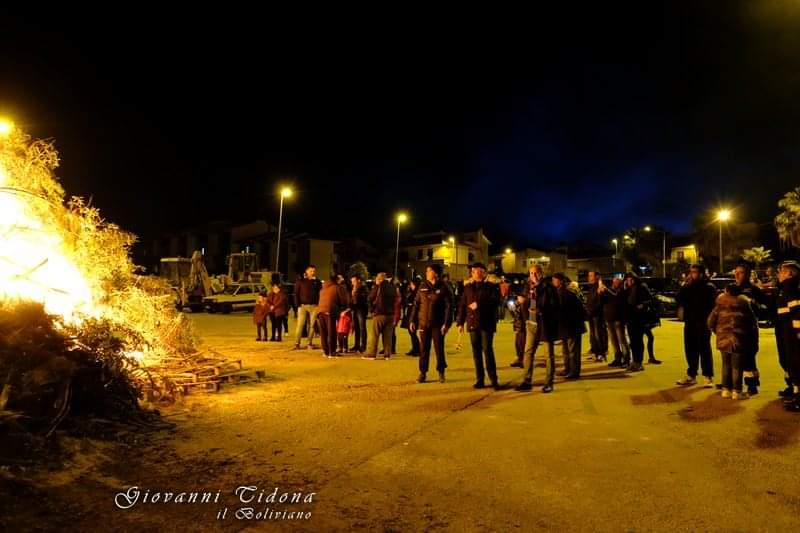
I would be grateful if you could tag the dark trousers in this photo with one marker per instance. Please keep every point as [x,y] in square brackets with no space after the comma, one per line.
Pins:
[277,326]
[598,336]
[482,347]
[648,332]
[262,327]
[415,347]
[286,324]
[343,342]
[428,336]
[360,330]
[571,351]
[636,335]
[732,371]
[519,344]
[327,332]
[697,346]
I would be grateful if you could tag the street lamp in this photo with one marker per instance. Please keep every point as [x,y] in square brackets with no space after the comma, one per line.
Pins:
[663,250]
[723,215]
[286,192]
[615,242]
[402,218]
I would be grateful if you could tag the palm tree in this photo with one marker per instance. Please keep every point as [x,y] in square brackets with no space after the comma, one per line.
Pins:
[757,255]
[788,221]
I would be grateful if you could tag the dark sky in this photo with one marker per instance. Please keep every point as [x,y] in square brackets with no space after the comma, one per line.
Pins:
[541,127]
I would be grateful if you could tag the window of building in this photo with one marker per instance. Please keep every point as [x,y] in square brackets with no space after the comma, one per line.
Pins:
[419,254]
[679,255]
[471,257]
[430,254]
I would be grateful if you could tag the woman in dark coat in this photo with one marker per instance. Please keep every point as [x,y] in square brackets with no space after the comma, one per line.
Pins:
[278,307]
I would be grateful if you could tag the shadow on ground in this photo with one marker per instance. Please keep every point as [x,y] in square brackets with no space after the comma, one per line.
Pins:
[777,427]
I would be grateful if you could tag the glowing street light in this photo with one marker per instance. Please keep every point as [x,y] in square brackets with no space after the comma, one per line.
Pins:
[286,192]
[723,215]
[615,242]
[402,218]
[508,251]
[663,250]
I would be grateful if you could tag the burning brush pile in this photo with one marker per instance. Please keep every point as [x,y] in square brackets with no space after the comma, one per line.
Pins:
[81,333]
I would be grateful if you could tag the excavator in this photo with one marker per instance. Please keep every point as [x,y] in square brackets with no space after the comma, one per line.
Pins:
[189,280]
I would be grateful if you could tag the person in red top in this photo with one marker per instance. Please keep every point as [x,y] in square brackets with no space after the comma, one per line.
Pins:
[344,326]
[260,312]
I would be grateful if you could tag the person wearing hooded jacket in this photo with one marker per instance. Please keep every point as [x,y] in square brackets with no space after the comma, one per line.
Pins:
[734,323]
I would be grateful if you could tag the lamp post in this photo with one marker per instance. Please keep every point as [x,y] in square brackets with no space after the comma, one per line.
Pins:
[722,216]
[286,192]
[663,250]
[615,242]
[401,219]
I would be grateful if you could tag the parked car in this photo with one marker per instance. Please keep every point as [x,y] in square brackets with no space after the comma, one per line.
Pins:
[235,297]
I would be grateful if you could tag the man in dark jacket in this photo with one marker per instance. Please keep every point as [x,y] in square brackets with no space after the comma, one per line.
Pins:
[614,309]
[384,300]
[358,303]
[478,309]
[639,313]
[598,335]
[787,331]
[697,297]
[742,275]
[571,315]
[541,327]
[332,299]
[306,293]
[432,316]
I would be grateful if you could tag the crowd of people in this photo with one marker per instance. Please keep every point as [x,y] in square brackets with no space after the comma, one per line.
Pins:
[549,310]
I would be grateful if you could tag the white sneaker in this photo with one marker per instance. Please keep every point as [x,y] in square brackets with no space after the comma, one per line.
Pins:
[726,393]
[739,395]
[708,383]
[686,380]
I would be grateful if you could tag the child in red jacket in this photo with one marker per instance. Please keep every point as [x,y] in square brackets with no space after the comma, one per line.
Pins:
[343,328]
[260,312]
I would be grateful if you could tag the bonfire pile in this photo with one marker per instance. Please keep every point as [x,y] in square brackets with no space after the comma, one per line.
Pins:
[82,331]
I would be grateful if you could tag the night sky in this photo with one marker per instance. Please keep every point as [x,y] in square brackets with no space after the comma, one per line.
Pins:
[541,127]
